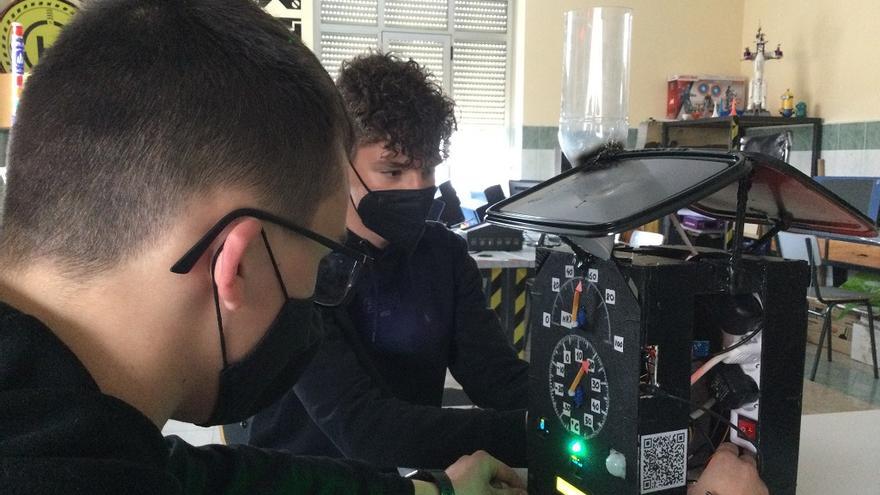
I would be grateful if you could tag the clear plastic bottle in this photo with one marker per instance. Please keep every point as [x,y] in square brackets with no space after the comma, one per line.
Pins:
[595,79]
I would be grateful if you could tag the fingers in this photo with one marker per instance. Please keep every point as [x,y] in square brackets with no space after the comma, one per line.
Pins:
[509,491]
[501,473]
[508,476]
[728,447]
[749,458]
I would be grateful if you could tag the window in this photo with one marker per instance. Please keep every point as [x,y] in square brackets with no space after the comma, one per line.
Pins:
[464,43]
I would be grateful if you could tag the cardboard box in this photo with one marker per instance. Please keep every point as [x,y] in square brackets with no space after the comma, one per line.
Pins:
[688,96]
[861,343]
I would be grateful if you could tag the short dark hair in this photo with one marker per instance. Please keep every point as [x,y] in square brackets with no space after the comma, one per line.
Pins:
[142,106]
[395,100]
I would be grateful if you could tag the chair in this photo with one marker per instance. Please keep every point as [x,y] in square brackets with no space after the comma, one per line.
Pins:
[831,297]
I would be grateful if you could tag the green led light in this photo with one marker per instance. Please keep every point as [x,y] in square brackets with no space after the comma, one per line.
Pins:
[577,448]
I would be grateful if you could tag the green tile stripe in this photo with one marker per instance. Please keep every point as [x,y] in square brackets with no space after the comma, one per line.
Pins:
[4,140]
[841,136]
[539,137]
[545,137]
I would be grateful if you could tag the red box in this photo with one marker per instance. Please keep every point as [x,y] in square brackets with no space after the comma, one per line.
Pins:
[700,89]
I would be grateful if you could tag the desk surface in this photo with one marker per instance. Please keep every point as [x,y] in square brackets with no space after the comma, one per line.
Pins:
[840,453]
[873,241]
[506,259]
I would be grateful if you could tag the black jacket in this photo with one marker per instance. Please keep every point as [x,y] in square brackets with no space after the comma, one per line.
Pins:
[373,391]
[60,434]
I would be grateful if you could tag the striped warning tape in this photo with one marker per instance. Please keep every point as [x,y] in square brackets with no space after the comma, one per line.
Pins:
[519,312]
[496,289]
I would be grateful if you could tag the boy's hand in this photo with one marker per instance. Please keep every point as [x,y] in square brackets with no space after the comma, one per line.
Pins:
[729,473]
[480,473]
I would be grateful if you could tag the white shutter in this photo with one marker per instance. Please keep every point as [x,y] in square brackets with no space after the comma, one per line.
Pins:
[481,15]
[430,54]
[359,12]
[419,14]
[336,47]
[479,82]
[473,70]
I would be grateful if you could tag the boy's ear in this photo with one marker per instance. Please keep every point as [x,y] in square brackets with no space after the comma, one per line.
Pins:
[227,271]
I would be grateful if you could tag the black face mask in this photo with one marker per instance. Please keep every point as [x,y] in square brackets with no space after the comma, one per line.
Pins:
[274,365]
[397,215]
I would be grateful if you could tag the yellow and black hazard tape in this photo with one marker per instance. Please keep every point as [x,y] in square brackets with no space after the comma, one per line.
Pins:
[519,312]
[496,291]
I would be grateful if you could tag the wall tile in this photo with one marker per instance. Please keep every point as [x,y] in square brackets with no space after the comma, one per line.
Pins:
[802,138]
[631,137]
[872,136]
[530,137]
[549,138]
[830,137]
[852,136]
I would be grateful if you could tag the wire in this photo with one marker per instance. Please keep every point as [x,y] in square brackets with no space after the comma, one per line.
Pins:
[662,393]
[749,336]
[722,355]
[695,415]
[708,365]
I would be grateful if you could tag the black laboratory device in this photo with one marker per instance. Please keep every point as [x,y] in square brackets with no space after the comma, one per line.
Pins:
[643,360]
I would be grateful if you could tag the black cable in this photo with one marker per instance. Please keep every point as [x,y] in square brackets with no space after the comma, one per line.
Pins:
[662,393]
[749,336]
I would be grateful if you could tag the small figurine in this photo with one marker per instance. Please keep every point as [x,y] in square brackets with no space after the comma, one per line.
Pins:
[716,111]
[687,108]
[758,97]
[787,109]
[726,102]
[708,106]
[800,110]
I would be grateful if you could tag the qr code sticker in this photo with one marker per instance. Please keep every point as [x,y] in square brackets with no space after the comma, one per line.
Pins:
[663,459]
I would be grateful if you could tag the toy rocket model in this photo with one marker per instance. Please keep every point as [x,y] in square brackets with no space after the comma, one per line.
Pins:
[758,96]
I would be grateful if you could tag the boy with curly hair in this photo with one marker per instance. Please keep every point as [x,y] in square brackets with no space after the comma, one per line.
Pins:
[417,311]
[375,387]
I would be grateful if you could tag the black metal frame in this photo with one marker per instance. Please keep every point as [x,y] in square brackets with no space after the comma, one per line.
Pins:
[738,167]
[826,316]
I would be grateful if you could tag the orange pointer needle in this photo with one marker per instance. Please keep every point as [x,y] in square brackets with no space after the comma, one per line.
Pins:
[576,301]
[585,368]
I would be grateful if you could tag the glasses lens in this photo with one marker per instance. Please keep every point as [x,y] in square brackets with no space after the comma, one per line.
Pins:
[336,276]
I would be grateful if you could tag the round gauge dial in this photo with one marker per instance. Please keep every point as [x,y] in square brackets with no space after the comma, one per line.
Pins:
[578,386]
[42,21]
[580,304]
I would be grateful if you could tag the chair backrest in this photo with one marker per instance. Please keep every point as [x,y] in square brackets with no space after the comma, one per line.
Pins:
[801,247]
[794,247]
[641,238]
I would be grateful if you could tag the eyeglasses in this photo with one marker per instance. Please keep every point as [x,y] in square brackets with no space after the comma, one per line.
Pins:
[338,271]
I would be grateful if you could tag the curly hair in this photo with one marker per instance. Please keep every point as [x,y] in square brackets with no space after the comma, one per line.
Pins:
[395,100]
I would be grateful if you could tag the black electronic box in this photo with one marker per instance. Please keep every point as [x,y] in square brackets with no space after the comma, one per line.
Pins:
[643,360]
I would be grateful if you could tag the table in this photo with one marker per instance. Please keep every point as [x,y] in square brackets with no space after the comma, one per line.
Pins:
[840,453]
[849,252]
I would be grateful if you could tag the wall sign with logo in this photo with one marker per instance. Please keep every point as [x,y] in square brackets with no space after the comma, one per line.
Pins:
[42,20]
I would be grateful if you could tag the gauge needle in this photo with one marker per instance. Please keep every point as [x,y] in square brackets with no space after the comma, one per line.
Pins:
[576,300]
[585,368]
